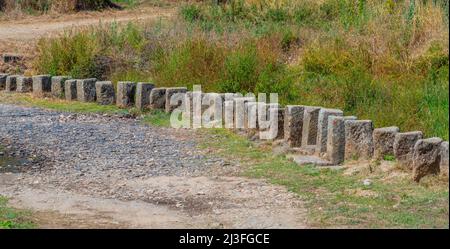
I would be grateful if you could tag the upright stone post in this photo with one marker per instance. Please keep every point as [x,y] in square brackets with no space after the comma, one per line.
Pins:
[105,93]
[383,141]
[24,84]
[212,110]
[172,103]
[3,81]
[158,98]
[41,84]
[358,139]
[276,122]
[426,157]
[86,90]
[404,147]
[70,90]
[57,87]
[443,164]
[322,130]
[240,112]
[293,125]
[126,93]
[310,125]
[11,83]
[336,140]
[143,90]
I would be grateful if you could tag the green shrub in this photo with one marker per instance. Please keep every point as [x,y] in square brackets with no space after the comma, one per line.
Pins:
[191,12]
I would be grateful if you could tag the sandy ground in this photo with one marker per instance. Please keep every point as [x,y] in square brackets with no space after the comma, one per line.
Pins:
[155,178]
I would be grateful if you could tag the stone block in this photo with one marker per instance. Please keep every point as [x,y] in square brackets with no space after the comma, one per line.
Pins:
[158,98]
[143,90]
[105,93]
[24,84]
[426,157]
[335,153]
[322,128]
[70,90]
[174,97]
[240,111]
[293,125]
[383,141]
[443,164]
[41,84]
[126,94]
[57,87]
[404,147]
[278,122]
[11,83]
[3,81]
[358,139]
[212,104]
[310,125]
[86,90]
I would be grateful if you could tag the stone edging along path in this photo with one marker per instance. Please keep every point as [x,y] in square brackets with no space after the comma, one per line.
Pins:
[321,135]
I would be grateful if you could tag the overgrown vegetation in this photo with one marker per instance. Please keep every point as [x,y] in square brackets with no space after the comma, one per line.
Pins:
[381,60]
[337,197]
[12,218]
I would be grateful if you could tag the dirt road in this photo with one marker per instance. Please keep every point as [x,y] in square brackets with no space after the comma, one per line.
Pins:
[100,171]
[35,27]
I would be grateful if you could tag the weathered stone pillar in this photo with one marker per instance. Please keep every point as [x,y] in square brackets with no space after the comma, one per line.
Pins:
[212,110]
[322,129]
[57,87]
[278,122]
[240,111]
[126,93]
[404,147]
[358,139]
[105,93]
[383,141]
[3,81]
[426,157]
[172,103]
[24,84]
[443,165]
[86,90]
[293,125]
[41,84]
[70,90]
[228,110]
[310,125]
[11,83]
[336,140]
[158,98]
[143,90]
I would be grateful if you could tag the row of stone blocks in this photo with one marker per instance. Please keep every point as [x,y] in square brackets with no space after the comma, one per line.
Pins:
[143,95]
[327,133]
[324,132]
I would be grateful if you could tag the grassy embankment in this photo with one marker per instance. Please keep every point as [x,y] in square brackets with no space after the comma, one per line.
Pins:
[381,60]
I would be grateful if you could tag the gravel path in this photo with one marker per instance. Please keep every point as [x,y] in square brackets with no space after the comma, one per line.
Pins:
[104,166]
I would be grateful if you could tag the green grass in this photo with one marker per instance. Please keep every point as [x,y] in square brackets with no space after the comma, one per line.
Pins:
[61,105]
[157,118]
[335,199]
[11,218]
